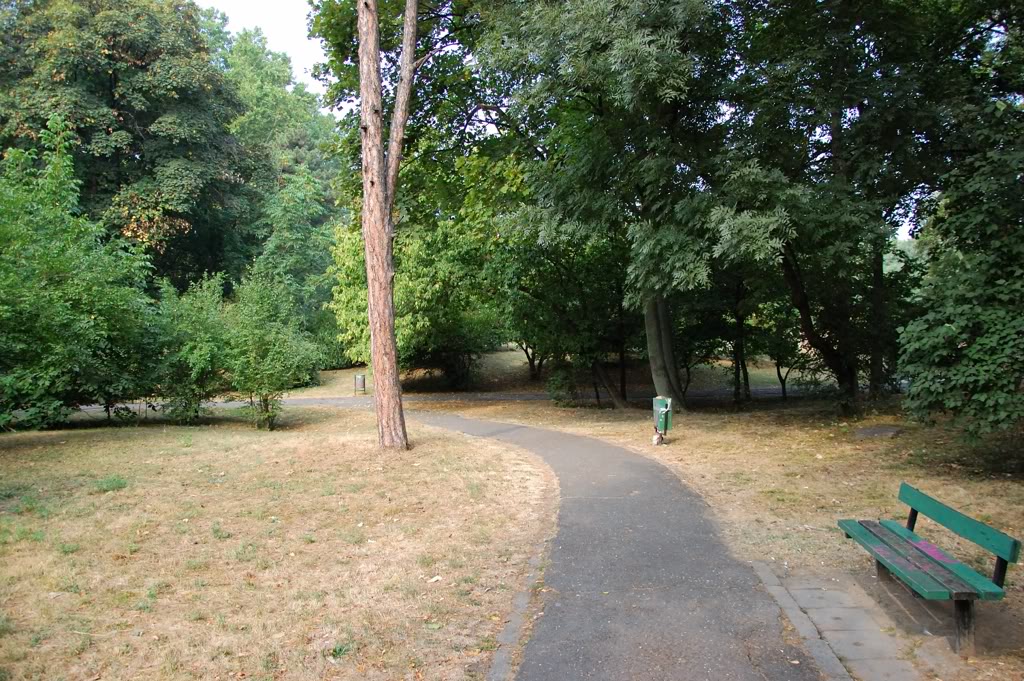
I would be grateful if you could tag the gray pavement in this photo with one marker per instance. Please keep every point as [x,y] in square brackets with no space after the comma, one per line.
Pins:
[640,586]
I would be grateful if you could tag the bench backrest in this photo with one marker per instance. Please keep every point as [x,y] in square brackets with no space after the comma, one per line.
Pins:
[1002,545]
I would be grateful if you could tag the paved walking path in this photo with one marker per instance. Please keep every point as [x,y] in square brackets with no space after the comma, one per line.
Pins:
[641,586]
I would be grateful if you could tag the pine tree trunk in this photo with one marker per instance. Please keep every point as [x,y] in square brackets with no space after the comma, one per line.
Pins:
[377,236]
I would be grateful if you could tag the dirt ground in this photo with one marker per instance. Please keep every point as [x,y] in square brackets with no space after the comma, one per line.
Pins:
[506,371]
[779,475]
[220,552]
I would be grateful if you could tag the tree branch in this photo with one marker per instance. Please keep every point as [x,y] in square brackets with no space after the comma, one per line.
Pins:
[406,75]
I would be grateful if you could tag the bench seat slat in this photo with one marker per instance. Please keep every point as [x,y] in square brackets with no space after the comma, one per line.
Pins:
[917,579]
[958,589]
[987,591]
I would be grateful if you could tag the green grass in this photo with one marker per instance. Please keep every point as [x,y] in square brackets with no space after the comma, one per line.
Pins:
[340,650]
[111,483]
[28,534]
[6,626]
[30,504]
[246,552]
[219,532]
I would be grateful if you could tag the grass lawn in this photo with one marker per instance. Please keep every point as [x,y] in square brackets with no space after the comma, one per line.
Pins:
[778,477]
[162,552]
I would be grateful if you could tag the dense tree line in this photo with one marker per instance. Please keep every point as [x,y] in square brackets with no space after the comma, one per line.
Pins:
[168,213]
[591,180]
[733,173]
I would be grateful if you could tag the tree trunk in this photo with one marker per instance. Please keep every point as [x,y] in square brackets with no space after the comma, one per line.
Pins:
[782,379]
[406,74]
[377,227]
[741,378]
[606,382]
[877,380]
[622,371]
[531,359]
[622,348]
[746,375]
[842,366]
[655,353]
[667,348]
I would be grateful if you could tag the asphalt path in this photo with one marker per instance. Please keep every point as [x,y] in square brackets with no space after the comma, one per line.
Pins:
[639,585]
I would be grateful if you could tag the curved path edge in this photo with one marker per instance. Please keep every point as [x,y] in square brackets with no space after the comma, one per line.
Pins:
[639,585]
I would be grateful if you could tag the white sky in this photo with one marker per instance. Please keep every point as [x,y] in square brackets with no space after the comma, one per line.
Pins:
[284,24]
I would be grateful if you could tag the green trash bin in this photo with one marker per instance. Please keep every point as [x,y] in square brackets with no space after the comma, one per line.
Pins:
[662,414]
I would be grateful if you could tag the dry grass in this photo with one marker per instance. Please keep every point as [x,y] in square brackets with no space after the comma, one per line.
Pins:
[778,479]
[337,383]
[219,552]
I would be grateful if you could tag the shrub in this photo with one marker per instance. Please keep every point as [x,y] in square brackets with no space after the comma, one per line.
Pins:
[561,384]
[267,350]
[193,367]
[75,324]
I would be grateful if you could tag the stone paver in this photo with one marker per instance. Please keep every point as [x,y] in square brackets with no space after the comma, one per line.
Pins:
[884,670]
[842,627]
[863,644]
[821,598]
[842,619]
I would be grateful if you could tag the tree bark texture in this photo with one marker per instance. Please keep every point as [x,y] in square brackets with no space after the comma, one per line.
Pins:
[403,96]
[377,236]
[662,362]
[668,349]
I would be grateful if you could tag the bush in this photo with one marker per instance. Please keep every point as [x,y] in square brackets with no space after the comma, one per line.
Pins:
[193,369]
[561,384]
[964,355]
[267,350]
[75,324]
[443,320]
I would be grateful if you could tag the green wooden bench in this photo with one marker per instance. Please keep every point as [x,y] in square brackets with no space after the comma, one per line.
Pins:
[927,569]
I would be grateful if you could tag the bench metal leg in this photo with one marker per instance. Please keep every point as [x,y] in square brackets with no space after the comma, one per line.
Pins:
[882,572]
[963,621]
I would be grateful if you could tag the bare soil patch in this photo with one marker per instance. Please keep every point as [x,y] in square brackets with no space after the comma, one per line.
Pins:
[219,552]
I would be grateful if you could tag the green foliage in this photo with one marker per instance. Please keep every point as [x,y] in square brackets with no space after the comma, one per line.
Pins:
[192,370]
[75,324]
[298,253]
[561,384]
[136,82]
[443,320]
[964,354]
[112,483]
[267,350]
